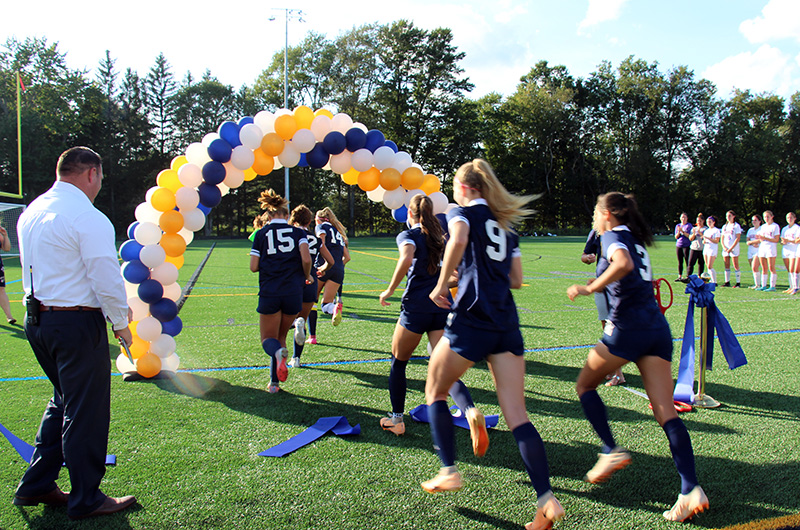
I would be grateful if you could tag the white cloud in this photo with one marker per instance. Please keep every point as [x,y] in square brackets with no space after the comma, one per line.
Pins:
[780,19]
[766,70]
[601,11]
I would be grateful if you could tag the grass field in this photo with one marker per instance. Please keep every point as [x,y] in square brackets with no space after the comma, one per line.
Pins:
[188,447]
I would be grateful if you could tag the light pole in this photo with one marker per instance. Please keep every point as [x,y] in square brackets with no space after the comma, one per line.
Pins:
[295,14]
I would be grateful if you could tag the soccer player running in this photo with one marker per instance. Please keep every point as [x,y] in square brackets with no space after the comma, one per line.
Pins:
[333,237]
[483,324]
[421,249]
[280,257]
[636,331]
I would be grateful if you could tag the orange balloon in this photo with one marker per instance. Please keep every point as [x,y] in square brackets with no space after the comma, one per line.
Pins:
[148,365]
[431,184]
[263,163]
[323,112]
[170,221]
[132,327]
[250,173]
[177,162]
[285,126]
[173,244]
[303,116]
[413,177]
[351,177]
[175,260]
[272,144]
[138,347]
[390,179]
[369,179]
[163,200]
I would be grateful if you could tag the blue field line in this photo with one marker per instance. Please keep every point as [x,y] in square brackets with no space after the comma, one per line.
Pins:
[368,361]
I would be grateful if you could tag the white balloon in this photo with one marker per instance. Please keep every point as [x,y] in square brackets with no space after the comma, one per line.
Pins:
[234,177]
[341,163]
[131,289]
[193,219]
[210,137]
[165,274]
[410,194]
[281,112]
[265,120]
[190,175]
[173,291]
[149,328]
[147,233]
[362,160]
[303,140]
[124,365]
[320,127]
[187,235]
[290,156]
[197,154]
[439,202]
[145,213]
[140,309]
[149,193]
[152,255]
[402,161]
[187,198]
[171,363]
[359,125]
[341,122]
[395,198]
[223,189]
[163,346]
[376,195]
[242,156]
[384,157]
[277,165]
[250,135]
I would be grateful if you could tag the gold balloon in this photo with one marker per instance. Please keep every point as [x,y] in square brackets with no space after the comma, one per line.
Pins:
[173,244]
[390,179]
[431,184]
[350,177]
[272,144]
[303,116]
[369,179]
[148,365]
[263,163]
[170,221]
[413,177]
[285,126]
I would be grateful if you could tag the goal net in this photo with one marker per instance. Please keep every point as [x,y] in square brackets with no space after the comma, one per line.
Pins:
[9,215]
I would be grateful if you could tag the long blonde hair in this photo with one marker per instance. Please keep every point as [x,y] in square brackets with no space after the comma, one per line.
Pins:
[507,208]
[326,214]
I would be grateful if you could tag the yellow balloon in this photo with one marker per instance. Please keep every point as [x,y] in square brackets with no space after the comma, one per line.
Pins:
[369,179]
[169,179]
[173,244]
[148,365]
[323,112]
[263,163]
[250,173]
[413,177]
[390,179]
[175,260]
[170,221]
[272,144]
[303,116]
[138,347]
[177,162]
[132,326]
[431,184]
[285,126]
[163,199]
[351,177]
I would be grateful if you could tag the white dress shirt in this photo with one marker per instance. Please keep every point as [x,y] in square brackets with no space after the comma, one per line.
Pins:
[68,244]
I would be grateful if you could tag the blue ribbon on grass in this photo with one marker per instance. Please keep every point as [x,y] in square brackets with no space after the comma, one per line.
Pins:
[25,449]
[420,414]
[336,424]
[701,294]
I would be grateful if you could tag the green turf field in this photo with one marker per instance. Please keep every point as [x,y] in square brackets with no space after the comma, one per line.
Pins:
[188,448]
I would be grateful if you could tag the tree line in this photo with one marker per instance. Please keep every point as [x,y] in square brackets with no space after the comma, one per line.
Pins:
[663,135]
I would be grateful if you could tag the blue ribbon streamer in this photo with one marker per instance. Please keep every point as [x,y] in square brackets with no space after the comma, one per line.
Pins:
[336,424]
[420,414]
[25,449]
[701,294]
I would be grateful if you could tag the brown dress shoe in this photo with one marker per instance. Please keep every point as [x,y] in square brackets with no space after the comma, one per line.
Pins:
[110,505]
[54,498]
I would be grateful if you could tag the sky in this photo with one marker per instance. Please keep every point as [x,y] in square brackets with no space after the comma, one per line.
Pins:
[746,44]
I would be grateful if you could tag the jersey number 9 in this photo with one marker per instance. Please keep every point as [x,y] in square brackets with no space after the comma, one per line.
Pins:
[496,250]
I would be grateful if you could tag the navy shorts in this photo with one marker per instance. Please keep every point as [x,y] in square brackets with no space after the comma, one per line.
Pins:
[310,291]
[630,344]
[476,344]
[286,304]
[334,274]
[422,322]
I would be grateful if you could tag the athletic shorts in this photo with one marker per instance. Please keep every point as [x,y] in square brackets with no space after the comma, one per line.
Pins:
[601,302]
[476,344]
[788,253]
[334,274]
[752,252]
[310,291]
[422,322]
[708,250]
[630,344]
[734,253]
[286,304]
[767,251]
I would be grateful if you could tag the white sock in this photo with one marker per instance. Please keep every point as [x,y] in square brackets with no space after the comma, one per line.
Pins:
[773,279]
[738,276]
[727,275]
[328,308]
[756,279]
[713,275]
[763,279]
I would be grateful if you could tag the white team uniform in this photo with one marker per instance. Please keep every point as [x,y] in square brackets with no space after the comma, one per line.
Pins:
[768,249]
[729,233]
[789,250]
[752,250]
[710,248]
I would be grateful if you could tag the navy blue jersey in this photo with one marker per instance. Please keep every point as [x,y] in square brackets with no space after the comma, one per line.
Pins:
[630,299]
[313,250]
[484,288]
[419,283]
[592,245]
[280,267]
[334,242]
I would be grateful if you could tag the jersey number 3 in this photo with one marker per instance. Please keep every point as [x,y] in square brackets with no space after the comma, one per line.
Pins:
[497,249]
[645,270]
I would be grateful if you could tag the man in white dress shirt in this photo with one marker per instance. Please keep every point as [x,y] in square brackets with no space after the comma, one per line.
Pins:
[70,267]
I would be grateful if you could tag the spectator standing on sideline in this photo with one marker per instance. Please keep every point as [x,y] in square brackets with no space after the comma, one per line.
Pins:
[682,242]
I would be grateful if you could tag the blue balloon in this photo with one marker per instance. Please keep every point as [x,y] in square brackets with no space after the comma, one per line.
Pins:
[210,195]
[375,139]
[150,291]
[229,131]
[356,139]
[129,250]
[244,121]
[172,327]
[389,143]
[303,162]
[131,228]
[206,209]
[213,172]
[317,157]
[400,214]
[135,271]
[164,310]
[220,150]
[334,143]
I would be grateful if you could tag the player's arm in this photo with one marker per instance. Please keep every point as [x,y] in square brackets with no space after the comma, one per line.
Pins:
[453,252]
[620,264]
[400,271]
[305,258]
[515,274]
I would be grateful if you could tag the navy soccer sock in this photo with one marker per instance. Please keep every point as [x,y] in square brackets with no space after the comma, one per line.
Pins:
[397,385]
[298,350]
[443,432]
[312,322]
[682,454]
[461,396]
[271,346]
[595,412]
[534,457]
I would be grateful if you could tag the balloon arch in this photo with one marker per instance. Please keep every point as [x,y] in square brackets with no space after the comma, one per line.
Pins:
[196,182]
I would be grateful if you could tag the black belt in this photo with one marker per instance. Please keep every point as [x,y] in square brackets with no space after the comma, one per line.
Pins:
[43,307]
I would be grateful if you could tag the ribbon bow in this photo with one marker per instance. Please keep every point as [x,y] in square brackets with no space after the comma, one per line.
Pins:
[701,294]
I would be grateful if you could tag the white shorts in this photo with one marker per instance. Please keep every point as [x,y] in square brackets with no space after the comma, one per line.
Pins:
[767,251]
[733,253]
[789,253]
[752,252]
[708,250]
